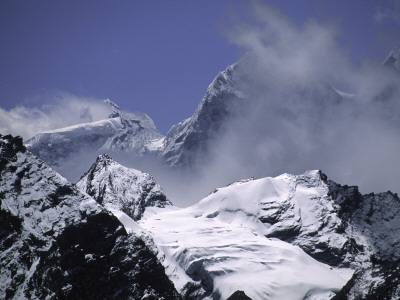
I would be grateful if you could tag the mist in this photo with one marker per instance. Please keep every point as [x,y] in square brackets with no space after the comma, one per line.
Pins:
[306,106]
[57,110]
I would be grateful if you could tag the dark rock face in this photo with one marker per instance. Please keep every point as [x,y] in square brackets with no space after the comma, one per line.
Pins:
[188,141]
[239,295]
[361,285]
[57,243]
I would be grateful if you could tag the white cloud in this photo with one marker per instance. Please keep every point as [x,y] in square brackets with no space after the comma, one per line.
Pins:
[56,111]
[294,121]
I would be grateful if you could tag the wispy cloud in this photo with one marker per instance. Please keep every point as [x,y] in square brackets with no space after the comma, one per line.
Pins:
[391,11]
[55,111]
[293,118]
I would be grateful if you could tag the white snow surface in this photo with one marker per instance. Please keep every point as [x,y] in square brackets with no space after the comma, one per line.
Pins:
[222,242]
[41,217]
[105,128]
[120,188]
[123,132]
[126,193]
[34,205]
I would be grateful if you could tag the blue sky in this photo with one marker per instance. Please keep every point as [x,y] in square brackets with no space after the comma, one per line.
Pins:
[153,56]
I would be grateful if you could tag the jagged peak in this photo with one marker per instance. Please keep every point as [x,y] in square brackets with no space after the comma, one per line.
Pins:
[104,158]
[395,51]
[120,188]
[112,104]
[316,174]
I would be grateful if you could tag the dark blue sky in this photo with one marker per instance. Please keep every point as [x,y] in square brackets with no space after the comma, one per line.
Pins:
[154,56]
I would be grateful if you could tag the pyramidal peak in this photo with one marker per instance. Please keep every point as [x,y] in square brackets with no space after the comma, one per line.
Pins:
[119,188]
[111,103]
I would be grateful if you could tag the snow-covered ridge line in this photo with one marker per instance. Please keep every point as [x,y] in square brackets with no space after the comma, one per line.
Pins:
[58,243]
[122,132]
[128,193]
[119,188]
[112,123]
[222,242]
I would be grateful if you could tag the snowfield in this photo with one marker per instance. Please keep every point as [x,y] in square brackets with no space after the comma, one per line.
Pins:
[289,237]
[222,242]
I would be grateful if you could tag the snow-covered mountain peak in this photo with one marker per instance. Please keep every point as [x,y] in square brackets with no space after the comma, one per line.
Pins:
[58,243]
[224,239]
[236,225]
[123,132]
[224,82]
[111,104]
[186,141]
[119,188]
[140,118]
[104,159]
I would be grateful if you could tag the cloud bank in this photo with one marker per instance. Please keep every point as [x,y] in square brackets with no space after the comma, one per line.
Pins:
[56,111]
[306,107]
[296,117]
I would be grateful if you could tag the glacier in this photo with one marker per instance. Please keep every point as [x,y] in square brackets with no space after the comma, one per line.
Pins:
[289,237]
[286,237]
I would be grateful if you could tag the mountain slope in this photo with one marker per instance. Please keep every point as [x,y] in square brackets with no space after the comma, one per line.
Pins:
[119,188]
[123,132]
[188,139]
[242,237]
[58,243]
[222,243]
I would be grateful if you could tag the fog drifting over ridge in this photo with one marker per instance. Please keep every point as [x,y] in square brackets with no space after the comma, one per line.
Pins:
[58,110]
[295,120]
[306,106]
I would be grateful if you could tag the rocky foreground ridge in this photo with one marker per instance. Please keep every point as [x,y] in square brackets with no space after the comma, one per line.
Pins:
[114,235]
[59,243]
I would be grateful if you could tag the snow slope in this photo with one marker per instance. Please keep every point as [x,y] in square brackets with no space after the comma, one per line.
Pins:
[221,242]
[288,237]
[65,149]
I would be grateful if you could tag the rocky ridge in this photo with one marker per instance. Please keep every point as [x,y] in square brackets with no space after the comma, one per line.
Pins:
[119,188]
[334,224]
[188,139]
[58,243]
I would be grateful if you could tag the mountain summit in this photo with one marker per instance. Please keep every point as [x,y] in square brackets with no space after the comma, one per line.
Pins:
[288,237]
[58,243]
[119,188]
[247,236]
[122,132]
